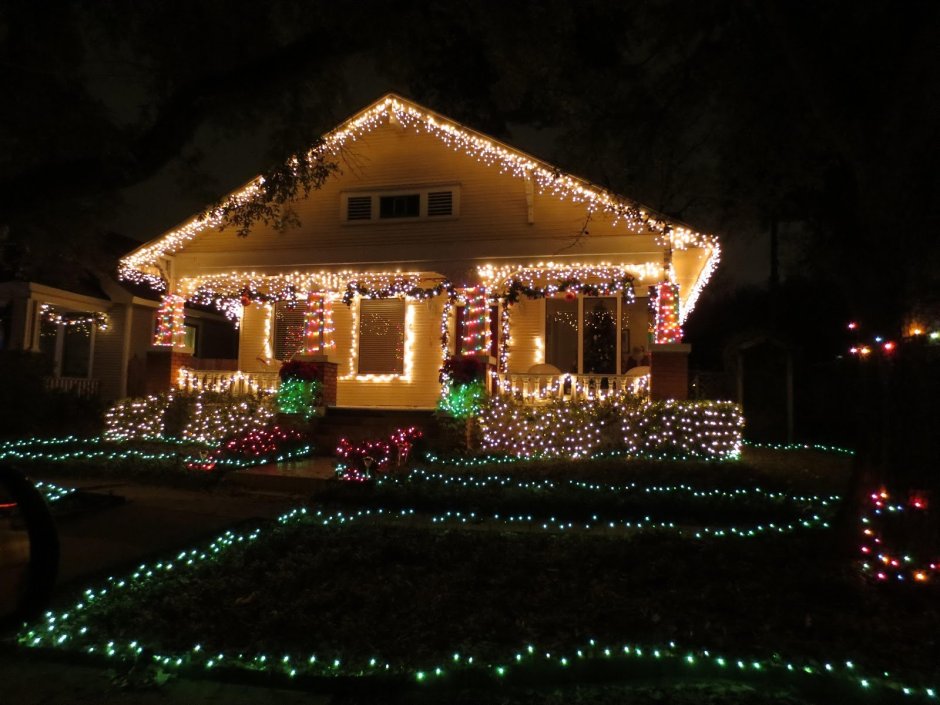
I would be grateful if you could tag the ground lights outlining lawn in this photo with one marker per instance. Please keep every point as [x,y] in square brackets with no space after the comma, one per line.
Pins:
[64,630]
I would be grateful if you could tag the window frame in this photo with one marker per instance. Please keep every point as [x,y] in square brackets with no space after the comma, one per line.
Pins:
[360,316]
[619,316]
[421,191]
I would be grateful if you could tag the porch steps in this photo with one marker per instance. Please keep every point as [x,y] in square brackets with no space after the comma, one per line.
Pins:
[307,475]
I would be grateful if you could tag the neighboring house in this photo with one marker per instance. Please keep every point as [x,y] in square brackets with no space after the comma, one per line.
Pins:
[436,240]
[97,335]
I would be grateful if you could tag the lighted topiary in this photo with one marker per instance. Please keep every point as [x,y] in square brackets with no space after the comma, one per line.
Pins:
[299,391]
[464,391]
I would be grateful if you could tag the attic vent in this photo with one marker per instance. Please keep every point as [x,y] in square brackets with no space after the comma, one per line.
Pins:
[440,203]
[359,208]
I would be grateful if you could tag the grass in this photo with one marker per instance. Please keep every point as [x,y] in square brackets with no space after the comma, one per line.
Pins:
[411,594]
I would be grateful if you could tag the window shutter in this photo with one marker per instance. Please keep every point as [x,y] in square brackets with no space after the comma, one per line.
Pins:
[440,203]
[382,336]
[359,208]
[288,329]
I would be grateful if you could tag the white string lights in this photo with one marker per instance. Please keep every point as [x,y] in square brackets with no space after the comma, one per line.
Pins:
[144,263]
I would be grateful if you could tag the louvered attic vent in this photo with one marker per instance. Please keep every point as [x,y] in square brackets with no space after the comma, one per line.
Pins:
[359,208]
[440,203]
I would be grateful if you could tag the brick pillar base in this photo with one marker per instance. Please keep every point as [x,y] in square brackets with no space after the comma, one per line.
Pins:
[669,373]
[329,383]
[163,366]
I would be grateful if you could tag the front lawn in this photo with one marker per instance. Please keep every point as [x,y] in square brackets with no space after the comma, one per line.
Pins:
[534,573]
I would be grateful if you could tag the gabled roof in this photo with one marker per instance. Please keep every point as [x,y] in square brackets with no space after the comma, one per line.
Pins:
[141,264]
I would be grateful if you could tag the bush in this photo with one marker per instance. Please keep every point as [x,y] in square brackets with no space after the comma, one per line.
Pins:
[561,429]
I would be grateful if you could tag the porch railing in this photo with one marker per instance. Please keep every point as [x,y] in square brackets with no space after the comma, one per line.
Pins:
[226,382]
[80,386]
[536,388]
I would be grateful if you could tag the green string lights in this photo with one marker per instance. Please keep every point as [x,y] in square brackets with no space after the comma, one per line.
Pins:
[73,630]
[97,449]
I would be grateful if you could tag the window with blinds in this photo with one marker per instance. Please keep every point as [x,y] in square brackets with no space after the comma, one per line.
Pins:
[382,336]
[288,329]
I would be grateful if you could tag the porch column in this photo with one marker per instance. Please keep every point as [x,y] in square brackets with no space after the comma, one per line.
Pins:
[669,371]
[163,368]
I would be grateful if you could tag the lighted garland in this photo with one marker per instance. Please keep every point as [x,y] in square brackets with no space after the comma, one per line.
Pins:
[65,631]
[404,287]
[50,314]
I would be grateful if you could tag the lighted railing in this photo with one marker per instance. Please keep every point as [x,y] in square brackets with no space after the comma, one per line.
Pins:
[226,382]
[80,386]
[536,388]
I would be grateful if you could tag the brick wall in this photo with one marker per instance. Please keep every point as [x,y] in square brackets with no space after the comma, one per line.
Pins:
[669,374]
[329,383]
[163,367]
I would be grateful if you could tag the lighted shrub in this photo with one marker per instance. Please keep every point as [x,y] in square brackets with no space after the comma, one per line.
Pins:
[555,430]
[137,419]
[561,429]
[205,417]
[684,429]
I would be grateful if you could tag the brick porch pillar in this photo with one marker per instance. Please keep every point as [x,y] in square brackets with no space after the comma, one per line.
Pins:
[163,366]
[329,383]
[669,371]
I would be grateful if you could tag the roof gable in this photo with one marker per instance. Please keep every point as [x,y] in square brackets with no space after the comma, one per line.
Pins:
[141,264]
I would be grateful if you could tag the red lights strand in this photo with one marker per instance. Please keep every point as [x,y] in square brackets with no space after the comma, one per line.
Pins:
[883,561]
[375,455]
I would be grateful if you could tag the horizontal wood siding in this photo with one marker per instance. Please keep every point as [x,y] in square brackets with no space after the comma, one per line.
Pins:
[492,225]
[251,343]
[109,350]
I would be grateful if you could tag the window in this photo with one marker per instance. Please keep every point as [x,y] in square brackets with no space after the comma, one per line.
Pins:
[288,329]
[587,328]
[407,206]
[382,336]
[561,334]
[438,202]
[600,335]
[68,344]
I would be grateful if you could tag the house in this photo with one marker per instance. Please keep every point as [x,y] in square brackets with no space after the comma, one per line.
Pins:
[96,334]
[436,240]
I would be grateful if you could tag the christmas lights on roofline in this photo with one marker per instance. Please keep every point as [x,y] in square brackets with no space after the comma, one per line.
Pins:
[143,264]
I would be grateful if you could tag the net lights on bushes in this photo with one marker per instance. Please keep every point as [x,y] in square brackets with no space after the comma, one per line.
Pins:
[705,430]
[73,630]
[361,460]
